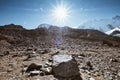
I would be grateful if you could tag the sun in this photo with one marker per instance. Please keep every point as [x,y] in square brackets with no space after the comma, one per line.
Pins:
[61,13]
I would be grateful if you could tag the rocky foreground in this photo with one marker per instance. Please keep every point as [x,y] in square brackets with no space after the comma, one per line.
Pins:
[58,54]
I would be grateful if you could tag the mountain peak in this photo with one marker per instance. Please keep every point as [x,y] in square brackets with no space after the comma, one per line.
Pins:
[114,32]
[44,26]
[12,26]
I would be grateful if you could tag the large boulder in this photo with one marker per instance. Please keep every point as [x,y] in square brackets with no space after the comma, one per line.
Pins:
[65,67]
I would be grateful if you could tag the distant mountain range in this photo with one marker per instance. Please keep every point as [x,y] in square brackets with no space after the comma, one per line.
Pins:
[16,34]
[102,25]
[109,29]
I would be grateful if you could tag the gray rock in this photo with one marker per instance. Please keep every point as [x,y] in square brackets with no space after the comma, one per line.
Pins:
[65,66]
[91,78]
[48,64]
[4,53]
[89,66]
[56,53]
[33,73]
[42,73]
[118,73]
[34,66]
[24,70]
[45,51]
[57,59]
[47,71]
[50,60]
[29,49]
[113,60]
[9,70]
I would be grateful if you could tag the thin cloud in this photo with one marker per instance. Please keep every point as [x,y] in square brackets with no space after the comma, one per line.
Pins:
[27,9]
[30,9]
[94,9]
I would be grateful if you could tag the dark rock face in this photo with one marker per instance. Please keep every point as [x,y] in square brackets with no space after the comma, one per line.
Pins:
[66,69]
[33,67]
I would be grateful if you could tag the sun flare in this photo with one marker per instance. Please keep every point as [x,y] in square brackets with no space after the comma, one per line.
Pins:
[61,12]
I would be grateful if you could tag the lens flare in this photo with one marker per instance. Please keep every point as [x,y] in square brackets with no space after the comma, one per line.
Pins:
[61,12]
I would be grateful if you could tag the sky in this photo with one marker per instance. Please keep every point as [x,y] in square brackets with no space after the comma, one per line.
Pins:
[31,13]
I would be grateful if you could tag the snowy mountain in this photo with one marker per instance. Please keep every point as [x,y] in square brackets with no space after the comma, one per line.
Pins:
[52,27]
[44,26]
[102,25]
[114,32]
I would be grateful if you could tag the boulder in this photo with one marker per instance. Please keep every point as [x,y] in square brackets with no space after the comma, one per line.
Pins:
[34,66]
[65,67]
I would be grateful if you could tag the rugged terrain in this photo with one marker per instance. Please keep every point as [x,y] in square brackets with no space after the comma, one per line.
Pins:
[97,54]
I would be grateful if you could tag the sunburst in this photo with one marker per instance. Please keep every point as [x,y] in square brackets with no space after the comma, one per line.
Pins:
[61,12]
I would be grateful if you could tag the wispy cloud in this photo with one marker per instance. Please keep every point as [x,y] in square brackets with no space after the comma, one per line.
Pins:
[91,9]
[32,9]
[27,9]
[95,9]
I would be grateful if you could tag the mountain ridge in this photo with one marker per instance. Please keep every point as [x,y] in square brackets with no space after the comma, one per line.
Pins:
[21,36]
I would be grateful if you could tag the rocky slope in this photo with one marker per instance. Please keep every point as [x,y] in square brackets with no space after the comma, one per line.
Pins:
[97,54]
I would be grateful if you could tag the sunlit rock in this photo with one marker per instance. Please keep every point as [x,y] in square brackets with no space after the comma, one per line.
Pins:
[65,67]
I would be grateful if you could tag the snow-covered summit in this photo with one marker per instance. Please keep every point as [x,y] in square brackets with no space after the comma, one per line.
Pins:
[114,32]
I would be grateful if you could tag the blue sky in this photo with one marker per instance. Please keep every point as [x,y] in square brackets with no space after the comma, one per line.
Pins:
[31,13]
